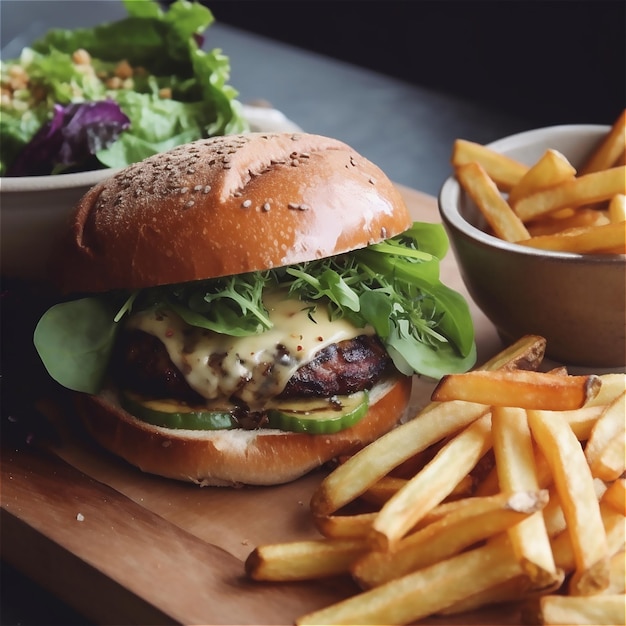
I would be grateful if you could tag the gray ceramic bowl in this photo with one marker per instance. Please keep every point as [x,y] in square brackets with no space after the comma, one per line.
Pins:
[577,302]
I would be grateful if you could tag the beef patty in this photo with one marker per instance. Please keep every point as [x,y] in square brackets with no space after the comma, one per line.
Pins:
[141,363]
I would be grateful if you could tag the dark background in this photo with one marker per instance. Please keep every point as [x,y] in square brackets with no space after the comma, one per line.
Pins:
[551,62]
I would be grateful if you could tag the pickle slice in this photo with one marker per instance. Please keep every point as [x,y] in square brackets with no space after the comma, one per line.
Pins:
[172,414]
[319,416]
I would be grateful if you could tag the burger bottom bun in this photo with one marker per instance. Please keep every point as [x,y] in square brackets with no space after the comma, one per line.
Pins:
[235,457]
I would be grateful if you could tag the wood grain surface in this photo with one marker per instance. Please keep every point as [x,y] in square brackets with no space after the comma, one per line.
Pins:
[121,546]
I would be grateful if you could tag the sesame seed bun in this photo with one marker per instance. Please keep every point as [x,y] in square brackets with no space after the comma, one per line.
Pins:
[227,205]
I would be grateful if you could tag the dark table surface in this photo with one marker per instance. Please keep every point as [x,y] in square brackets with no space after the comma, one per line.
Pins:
[405,128]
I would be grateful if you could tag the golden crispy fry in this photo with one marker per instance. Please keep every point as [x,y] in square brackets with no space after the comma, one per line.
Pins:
[551,169]
[528,390]
[587,189]
[513,590]
[614,524]
[553,513]
[581,218]
[525,354]
[582,420]
[345,526]
[615,495]
[504,222]
[617,567]
[381,491]
[609,151]
[476,520]
[553,516]
[598,239]
[515,462]
[605,448]
[432,484]
[575,487]
[572,610]
[504,171]
[303,560]
[612,386]
[617,208]
[357,474]
[611,462]
[427,591]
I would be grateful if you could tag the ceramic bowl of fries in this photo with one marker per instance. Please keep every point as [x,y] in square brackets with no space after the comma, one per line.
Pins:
[536,222]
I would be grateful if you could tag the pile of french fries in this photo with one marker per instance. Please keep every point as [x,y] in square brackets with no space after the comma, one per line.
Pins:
[551,205]
[507,488]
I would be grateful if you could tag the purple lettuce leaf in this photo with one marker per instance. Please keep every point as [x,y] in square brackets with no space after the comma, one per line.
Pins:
[71,138]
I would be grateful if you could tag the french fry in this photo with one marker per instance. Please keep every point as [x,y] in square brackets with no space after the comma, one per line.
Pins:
[382,490]
[582,218]
[612,386]
[574,485]
[572,610]
[515,460]
[614,524]
[582,420]
[553,516]
[513,590]
[610,150]
[597,239]
[356,526]
[524,389]
[605,448]
[303,560]
[552,168]
[615,495]
[525,354]
[553,513]
[587,189]
[476,520]
[425,592]
[435,422]
[504,222]
[617,208]
[611,462]
[432,484]
[503,170]
[370,464]
[617,576]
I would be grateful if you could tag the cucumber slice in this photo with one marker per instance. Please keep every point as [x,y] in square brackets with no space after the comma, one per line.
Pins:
[172,414]
[319,417]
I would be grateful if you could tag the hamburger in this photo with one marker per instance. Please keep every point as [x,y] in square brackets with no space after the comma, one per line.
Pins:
[243,309]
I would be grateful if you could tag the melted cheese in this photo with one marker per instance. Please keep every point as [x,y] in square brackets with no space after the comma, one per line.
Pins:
[253,368]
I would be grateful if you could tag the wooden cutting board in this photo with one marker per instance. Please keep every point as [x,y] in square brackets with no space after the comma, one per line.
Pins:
[124,547]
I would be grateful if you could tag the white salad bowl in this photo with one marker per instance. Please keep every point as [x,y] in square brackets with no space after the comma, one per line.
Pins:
[34,209]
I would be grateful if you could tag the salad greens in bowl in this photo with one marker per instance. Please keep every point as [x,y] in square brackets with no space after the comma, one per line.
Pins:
[78,105]
[108,96]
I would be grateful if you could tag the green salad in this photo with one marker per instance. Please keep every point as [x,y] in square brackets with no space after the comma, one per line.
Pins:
[115,94]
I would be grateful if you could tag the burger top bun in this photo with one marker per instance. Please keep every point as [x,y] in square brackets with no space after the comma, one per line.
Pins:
[227,205]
